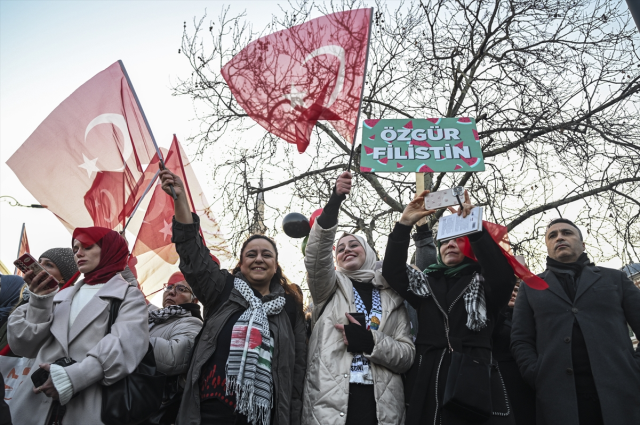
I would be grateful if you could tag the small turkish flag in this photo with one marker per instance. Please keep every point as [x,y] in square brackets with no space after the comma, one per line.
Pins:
[153,254]
[86,158]
[289,80]
[500,236]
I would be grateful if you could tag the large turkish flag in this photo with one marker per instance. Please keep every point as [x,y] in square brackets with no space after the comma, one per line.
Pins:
[85,160]
[289,80]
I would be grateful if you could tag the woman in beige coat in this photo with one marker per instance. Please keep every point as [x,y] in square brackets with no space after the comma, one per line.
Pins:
[72,324]
[353,373]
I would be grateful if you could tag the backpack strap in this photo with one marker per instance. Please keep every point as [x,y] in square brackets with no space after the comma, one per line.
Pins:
[113,312]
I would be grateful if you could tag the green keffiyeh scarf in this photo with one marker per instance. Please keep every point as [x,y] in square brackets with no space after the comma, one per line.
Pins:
[450,271]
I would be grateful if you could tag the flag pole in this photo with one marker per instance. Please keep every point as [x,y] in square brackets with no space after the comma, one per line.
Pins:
[146,122]
[140,200]
[364,80]
[15,271]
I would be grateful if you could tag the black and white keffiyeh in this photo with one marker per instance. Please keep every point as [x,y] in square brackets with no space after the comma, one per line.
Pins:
[474,299]
[360,370]
[475,303]
[249,363]
[163,314]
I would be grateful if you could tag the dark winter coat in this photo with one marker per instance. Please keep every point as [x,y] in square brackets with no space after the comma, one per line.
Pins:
[606,300]
[431,366]
[521,395]
[288,363]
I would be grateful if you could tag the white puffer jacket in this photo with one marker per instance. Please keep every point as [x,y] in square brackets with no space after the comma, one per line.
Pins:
[173,342]
[326,386]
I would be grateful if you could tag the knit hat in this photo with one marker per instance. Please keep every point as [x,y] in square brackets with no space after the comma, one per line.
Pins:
[63,259]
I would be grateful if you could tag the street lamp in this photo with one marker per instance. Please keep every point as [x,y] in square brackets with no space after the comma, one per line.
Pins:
[15,203]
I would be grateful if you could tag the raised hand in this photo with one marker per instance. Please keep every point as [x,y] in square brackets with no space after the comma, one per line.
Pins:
[467,206]
[343,184]
[181,205]
[169,179]
[414,211]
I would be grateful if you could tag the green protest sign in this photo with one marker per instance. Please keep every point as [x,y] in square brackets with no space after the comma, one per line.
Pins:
[420,145]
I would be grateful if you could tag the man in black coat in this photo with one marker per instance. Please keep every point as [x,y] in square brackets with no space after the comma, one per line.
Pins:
[571,341]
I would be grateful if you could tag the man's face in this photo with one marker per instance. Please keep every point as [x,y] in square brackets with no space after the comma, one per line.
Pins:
[563,243]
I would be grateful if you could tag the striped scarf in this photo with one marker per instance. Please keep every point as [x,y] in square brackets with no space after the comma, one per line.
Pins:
[249,363]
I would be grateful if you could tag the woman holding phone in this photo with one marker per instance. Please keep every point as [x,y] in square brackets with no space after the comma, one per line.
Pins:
[458,301]
[249,361]
[354,366]
[66,332]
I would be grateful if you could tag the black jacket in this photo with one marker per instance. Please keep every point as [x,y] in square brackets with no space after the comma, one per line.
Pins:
[432,354]
[606,300]
[208,281]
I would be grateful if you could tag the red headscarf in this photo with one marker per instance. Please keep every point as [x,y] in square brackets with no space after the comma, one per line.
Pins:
[175,278]
[113,257]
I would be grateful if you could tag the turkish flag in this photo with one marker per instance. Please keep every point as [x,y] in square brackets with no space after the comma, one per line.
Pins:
[85,160]
[23,248]
[154,255]
[289,80]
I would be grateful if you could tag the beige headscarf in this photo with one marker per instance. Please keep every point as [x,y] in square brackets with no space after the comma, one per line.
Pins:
[366,273]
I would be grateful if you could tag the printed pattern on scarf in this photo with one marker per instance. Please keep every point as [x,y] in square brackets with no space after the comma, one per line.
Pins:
[164,314]
[249,365]
[360,370]
[475,303]
[474,299]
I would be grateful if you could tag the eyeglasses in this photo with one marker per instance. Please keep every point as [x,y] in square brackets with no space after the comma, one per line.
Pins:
[181,288]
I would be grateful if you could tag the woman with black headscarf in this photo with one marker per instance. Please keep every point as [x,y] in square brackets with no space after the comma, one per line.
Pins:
[458,301]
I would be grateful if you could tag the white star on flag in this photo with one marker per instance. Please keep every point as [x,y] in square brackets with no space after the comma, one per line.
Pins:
[89,165]
[166,230]
[295,97]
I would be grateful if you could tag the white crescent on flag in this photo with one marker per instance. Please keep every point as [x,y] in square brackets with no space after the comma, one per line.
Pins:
[296,97]
[119,121]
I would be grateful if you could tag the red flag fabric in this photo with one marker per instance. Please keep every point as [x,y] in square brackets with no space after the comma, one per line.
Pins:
[288,80]
[154,257]
[86,158]
[500,235]
[23,248]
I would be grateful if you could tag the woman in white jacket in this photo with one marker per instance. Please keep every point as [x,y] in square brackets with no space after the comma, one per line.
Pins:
[71,324]
[353,374]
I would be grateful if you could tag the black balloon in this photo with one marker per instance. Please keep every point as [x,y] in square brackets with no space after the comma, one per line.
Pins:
[296,225]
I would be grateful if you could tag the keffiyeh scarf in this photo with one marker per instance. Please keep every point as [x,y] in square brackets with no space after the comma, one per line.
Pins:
[249,363]
[360,371]
[163,314]
[474,300]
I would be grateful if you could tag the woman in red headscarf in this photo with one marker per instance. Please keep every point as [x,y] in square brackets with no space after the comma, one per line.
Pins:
[69,326]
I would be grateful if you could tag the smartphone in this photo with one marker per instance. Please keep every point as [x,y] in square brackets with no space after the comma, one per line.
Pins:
[27,262]
[443,198]
[361,318]
[39,377]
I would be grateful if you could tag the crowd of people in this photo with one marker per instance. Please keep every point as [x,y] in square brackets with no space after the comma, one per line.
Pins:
[451,339]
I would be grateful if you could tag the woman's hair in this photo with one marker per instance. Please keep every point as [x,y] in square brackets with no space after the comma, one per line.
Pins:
[289,288]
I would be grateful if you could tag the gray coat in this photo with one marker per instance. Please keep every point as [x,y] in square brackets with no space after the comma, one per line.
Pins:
[40,329]
[288,362]
[540,341]
[172,343]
